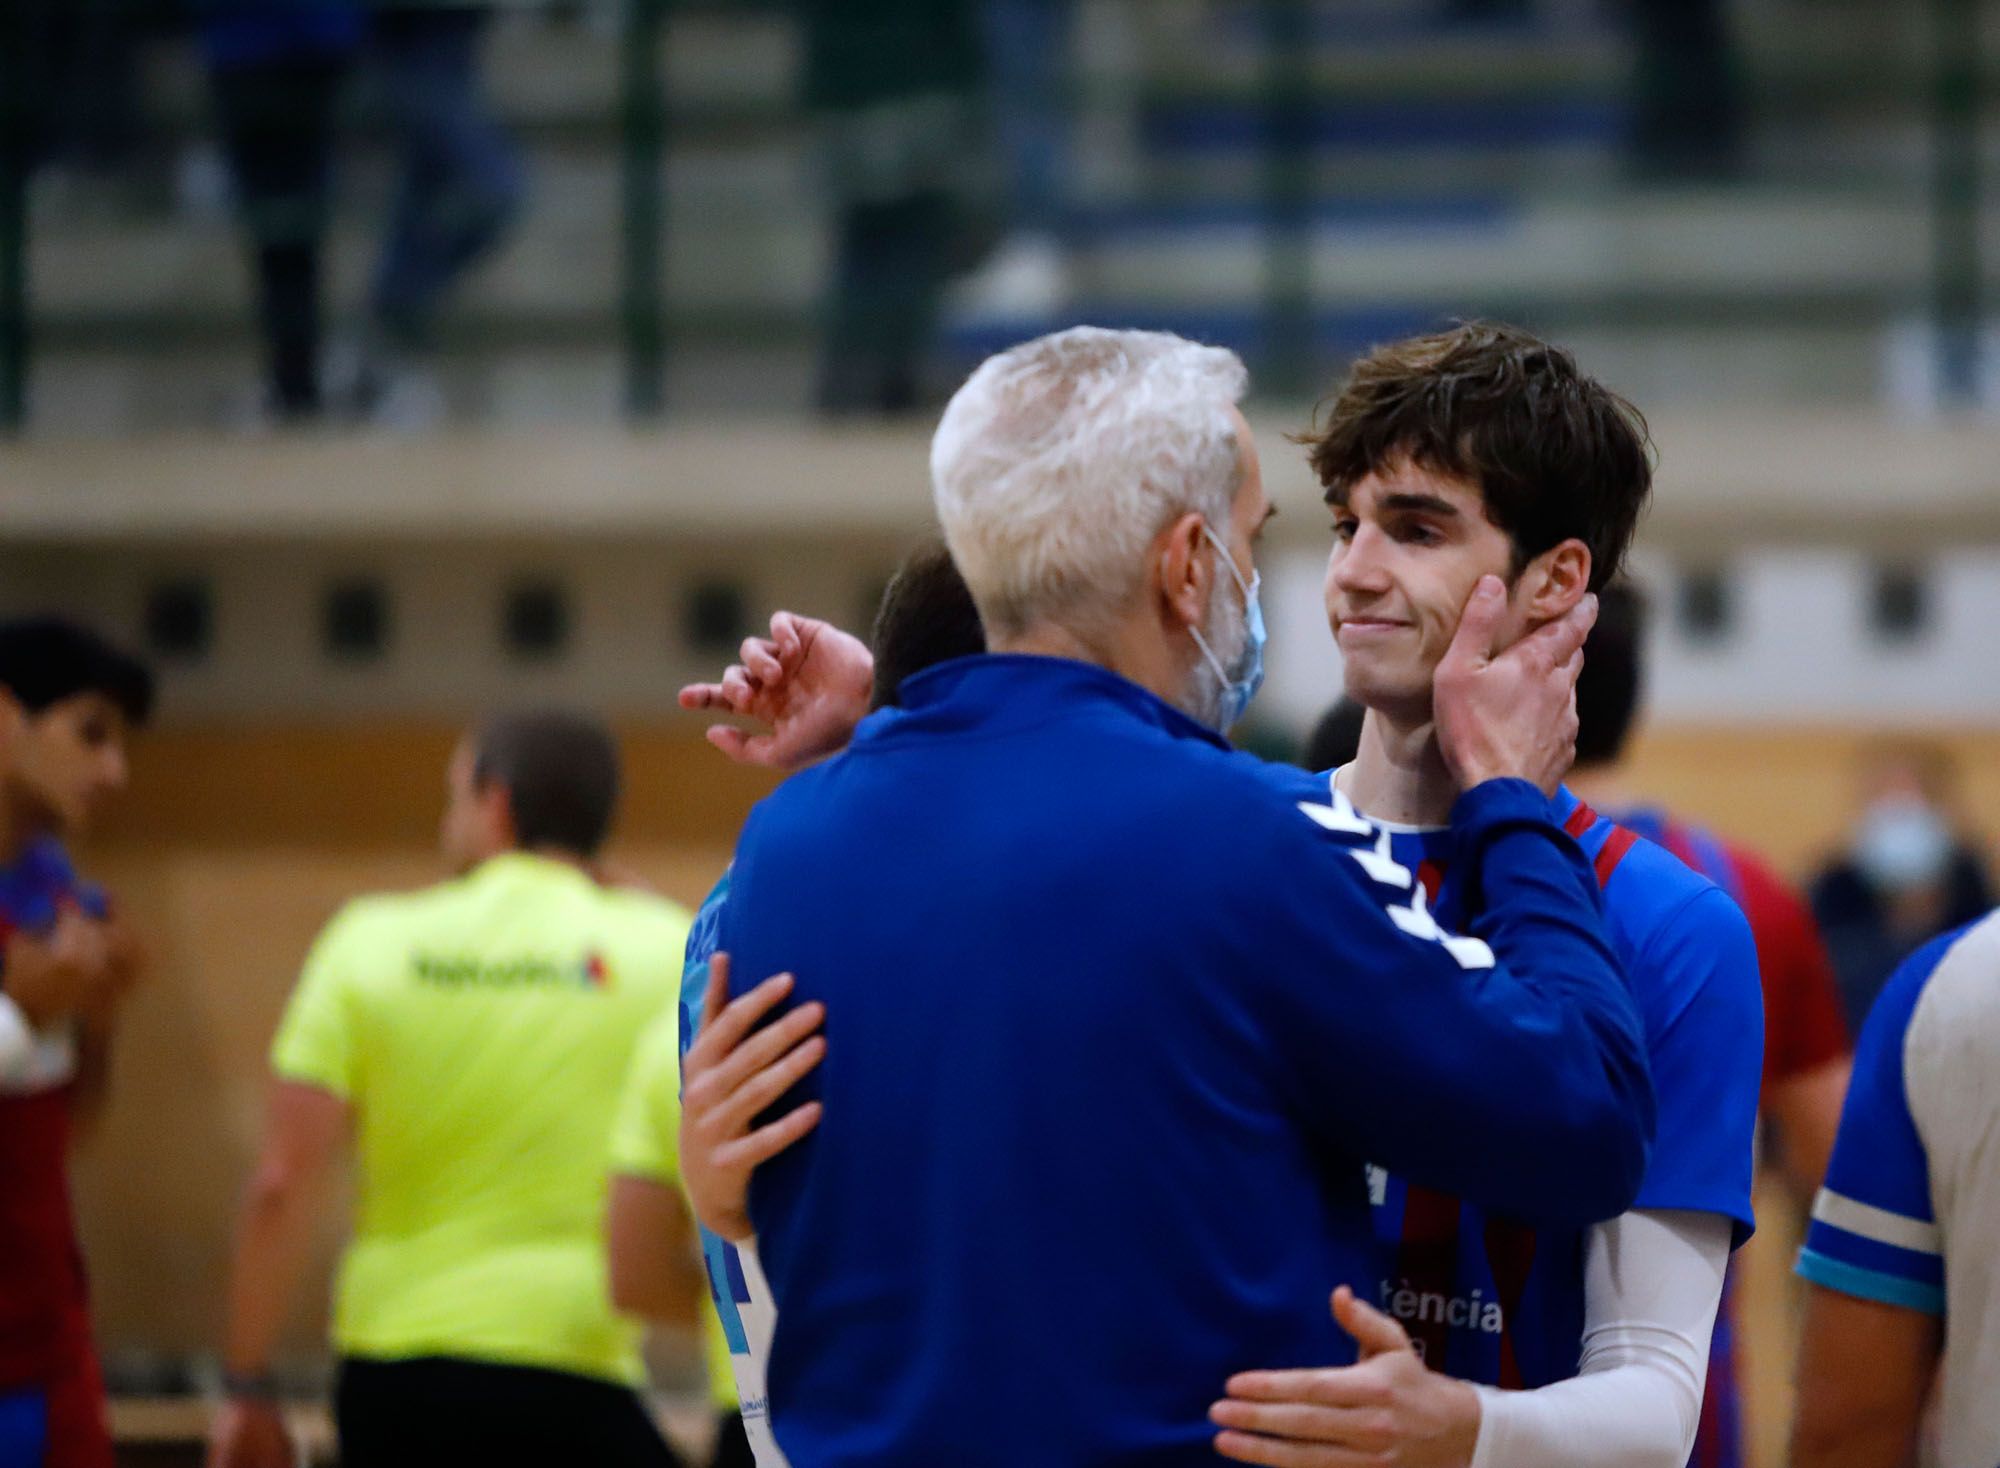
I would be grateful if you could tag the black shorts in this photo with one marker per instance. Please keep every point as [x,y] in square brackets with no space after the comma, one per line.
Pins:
[437,1410]
[732,1443]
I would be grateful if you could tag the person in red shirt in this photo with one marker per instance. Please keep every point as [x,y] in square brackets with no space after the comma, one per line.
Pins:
[1806,1044]
[67,701]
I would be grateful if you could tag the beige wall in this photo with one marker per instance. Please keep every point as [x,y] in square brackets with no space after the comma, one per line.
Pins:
[1789,793]
[232,850]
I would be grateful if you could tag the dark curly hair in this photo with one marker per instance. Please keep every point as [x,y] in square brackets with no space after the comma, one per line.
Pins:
[1555,454]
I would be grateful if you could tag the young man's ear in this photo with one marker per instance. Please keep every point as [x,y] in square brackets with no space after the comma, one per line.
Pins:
[1555,581]
[1185,572]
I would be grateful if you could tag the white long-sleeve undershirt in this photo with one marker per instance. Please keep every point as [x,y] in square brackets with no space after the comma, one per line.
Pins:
[30,1059]
[17,1041]
[1652,1284]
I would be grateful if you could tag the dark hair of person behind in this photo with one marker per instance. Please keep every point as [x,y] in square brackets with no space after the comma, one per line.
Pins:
[926,617]
[1555,454]
[1336,738]
[560,771]
[46,660]
[1613,677]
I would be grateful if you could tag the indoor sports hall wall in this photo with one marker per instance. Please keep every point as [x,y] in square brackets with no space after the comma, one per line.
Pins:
[326,615]
[236,843]
[232,850]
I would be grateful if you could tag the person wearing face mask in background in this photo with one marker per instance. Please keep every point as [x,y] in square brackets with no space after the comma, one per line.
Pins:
[1906,876]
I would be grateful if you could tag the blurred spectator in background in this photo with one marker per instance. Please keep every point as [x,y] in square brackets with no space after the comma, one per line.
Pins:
[459,189]
[1481,12]
[1335,738]
[277,68]
[1906,876]
[1806,1050]
[467,1045]
[1027,51]
[1688,106]
[896,87]
[1687,102]
[82,77]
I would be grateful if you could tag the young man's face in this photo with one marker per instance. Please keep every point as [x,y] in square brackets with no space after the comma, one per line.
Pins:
[1408,547]
[68,760]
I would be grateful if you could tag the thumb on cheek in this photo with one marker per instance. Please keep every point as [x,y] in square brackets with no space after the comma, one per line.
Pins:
[1480,620]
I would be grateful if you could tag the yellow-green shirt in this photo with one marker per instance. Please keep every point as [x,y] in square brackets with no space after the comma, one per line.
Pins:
[645,1144]
[481,1030]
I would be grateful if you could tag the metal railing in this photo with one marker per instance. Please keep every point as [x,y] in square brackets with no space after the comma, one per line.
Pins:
[1287,94]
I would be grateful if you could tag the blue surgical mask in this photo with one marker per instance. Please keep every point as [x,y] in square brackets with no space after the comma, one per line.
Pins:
[1902,843]
[1239,689]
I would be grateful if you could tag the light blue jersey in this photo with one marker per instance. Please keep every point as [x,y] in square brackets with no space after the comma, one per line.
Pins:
[735,1279]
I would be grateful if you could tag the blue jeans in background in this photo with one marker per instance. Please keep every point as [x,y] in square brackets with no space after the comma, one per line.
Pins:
[461,181]
[1027,52]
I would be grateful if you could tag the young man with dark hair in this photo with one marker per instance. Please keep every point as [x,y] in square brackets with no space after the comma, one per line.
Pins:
[468,1042]
[1554,455]
[1483,452]
[1478,451]
[1806,1052]
[68,699]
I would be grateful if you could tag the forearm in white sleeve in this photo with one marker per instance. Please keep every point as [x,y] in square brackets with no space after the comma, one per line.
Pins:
[1652,1283]
[17,1041]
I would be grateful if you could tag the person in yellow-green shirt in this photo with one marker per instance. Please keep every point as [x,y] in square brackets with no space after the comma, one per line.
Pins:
[647,1206]
[469,1043]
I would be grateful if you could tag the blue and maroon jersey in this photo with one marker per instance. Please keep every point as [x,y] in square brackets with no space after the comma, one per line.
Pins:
[43,1322]
[1495,1300]
[1803,1030]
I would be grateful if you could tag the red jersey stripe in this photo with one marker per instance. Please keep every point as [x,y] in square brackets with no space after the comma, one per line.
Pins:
[1616,845]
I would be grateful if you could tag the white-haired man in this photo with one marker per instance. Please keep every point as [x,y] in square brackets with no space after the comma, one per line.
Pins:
[1093,1114]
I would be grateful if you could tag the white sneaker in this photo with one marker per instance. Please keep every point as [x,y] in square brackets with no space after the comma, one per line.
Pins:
[405,398]
[1027,278]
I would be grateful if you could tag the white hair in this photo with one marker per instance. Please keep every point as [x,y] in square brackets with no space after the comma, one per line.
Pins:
[1057,463]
